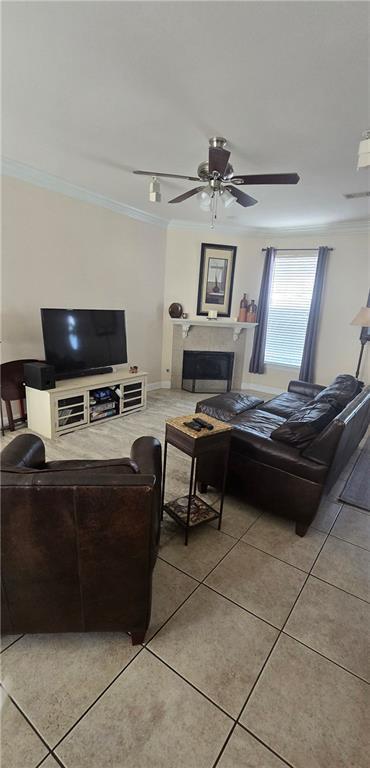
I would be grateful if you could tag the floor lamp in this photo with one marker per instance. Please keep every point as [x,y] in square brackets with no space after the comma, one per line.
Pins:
[362,319]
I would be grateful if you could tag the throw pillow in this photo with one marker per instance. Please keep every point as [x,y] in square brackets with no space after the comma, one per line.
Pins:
[343,389]
[302,427]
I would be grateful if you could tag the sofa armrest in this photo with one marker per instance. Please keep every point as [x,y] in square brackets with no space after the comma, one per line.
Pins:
[146,452]
[25,451]
[305,388]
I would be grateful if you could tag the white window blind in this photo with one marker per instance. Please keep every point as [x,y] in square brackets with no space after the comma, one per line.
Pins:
[291,293]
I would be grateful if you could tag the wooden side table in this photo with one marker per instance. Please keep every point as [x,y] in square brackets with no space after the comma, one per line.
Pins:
[190,510]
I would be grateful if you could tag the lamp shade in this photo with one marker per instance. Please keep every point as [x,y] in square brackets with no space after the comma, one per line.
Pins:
[362,318]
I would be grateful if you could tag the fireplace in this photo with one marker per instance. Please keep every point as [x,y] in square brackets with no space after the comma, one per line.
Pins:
[207,371]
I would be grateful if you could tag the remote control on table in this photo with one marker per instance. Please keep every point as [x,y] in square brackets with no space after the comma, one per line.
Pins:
[193,425]
[203,423]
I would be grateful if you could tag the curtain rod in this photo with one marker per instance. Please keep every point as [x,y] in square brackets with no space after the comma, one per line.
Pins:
[297,249]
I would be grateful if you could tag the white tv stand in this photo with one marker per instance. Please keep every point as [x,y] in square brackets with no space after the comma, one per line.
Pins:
[68,406]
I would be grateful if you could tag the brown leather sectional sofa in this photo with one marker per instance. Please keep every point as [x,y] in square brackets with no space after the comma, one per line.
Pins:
[287,452]
[79,539]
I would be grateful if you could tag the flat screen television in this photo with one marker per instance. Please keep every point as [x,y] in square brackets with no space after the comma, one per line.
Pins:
[82,341]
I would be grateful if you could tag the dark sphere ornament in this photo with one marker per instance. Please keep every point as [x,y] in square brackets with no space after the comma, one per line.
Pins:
[175,310]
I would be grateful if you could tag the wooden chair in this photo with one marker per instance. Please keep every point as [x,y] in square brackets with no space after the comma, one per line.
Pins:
[12,388]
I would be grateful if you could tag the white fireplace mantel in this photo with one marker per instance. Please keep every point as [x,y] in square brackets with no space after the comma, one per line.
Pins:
[225,322]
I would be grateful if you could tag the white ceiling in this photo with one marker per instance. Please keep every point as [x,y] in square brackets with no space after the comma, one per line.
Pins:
[92,90]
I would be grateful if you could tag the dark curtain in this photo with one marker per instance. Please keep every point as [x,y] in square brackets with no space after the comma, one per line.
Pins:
[257,361]
[307,371]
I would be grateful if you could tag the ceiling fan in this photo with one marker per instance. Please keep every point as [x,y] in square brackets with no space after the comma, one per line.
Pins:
[220,179]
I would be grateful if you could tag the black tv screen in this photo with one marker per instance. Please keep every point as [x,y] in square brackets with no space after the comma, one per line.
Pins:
[77,340]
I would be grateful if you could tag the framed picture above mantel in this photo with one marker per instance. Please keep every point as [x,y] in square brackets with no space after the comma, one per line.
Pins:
[216,279]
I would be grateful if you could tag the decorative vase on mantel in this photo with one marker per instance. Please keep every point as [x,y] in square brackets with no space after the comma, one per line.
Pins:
[252,312]
[242,316]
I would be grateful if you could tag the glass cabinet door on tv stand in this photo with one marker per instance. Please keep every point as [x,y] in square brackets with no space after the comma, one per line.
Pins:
[78,403]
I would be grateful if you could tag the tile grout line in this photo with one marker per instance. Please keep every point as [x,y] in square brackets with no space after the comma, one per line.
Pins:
[172,615]
[330,584]
[51,749]
[201,581]
[183,678]
[249,544]
[23,714]
[56,758]
[309,647]
[346,541]
[237,541]
[101,694]
[235,721]
[145,647]
[13,643]
[280,632]
[192,685]
[356,509]
[290,612]
[283,760]
[184,573]
[242,607]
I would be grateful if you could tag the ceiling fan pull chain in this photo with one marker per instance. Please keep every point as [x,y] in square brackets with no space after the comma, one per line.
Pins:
[213,210]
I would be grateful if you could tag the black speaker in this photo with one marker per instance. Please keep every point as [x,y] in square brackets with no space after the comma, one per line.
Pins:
[39,375]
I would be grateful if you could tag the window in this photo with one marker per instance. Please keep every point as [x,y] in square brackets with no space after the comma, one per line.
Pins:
[292,285]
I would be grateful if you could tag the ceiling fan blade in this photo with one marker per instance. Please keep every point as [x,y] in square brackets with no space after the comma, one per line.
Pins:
[185,195]
[218,159]
[267,178]
[241,197]
[167,175]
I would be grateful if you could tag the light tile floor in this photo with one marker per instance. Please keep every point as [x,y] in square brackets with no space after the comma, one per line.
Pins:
[257,655]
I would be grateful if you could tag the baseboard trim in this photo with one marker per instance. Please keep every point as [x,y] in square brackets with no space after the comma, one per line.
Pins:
[159,385]
[262,388]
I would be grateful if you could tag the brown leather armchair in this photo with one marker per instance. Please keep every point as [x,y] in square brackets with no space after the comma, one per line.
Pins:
[79,539]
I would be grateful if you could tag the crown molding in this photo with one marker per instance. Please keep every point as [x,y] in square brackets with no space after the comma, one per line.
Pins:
[24,172]
[339,227]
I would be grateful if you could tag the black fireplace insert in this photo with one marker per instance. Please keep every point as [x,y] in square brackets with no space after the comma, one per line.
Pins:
[207,371]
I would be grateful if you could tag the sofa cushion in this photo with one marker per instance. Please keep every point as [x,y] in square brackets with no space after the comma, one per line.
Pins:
[285,404]
[257,422]
[302,427]
[343,389]
[251,438]
[228,405]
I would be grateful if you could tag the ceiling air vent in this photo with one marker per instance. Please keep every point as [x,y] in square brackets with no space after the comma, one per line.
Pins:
[354,195]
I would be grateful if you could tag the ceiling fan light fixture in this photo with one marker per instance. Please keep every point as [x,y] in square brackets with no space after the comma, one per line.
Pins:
[204,197]
[364,151]
[218,175]
[227,198]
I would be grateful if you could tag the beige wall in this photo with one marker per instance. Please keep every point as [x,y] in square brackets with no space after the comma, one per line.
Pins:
[60,252]
[346,289]
[55,250]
